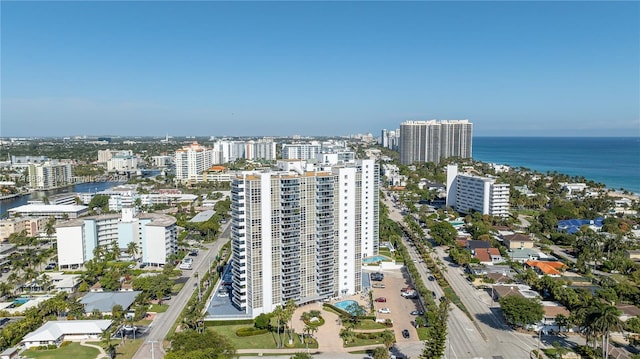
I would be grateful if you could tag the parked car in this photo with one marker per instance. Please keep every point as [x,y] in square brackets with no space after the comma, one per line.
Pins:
[431,278]
[384,310]
[378,285]
[417,312]
[50,267]
[405,333]
[381,299]
[406,289]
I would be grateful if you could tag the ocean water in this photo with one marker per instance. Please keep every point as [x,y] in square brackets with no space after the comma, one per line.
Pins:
[614,161]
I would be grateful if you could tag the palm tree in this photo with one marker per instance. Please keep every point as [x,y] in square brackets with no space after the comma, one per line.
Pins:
[279,314]
[50,227]
[5,289]
[604,319]
[109,347]
[132,249]
[289,309]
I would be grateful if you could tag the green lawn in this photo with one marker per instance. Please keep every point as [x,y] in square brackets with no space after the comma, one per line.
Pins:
[262,341]
[158,308]
[73,350]
[176,288]
[360,342]
[128,349]
[423,334]
[370,324]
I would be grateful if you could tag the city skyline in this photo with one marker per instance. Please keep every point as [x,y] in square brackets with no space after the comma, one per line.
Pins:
[316,68]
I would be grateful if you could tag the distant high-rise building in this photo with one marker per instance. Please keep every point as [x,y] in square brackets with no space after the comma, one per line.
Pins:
[229,151]
[191,161]
[301,151]
[467,193]
[301,234]
[50,174]
[431,141]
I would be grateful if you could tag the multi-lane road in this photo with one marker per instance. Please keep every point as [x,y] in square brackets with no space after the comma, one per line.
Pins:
[162,323]
[486,336]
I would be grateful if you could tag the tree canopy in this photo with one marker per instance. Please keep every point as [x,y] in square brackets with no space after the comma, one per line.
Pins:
[521,311]
[205,345]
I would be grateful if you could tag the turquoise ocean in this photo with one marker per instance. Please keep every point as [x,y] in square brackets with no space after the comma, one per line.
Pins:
[614,161]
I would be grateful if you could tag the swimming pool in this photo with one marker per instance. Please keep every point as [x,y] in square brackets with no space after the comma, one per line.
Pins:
[345,304]
[20,301]
[377,258]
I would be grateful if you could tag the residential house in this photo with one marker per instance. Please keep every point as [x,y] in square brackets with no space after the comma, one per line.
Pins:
[518,241]
[488,255]
[628,311]
[500,278]
[56,331]
[524,254]
[551,311]
[104,302]
[501,291]
[475,244]
[10,353]
[548,268]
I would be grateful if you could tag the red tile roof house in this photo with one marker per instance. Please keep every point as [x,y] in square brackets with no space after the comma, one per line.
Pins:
[551,269]
[488,255]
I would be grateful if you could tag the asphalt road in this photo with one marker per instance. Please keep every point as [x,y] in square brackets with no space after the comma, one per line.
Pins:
[163,322]
[485,337]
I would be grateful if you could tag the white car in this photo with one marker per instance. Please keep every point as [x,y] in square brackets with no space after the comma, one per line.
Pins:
[384,310]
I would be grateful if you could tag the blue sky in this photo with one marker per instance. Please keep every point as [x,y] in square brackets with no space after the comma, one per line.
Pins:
[318,68]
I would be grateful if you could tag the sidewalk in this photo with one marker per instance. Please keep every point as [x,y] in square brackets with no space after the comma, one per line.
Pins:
[102,354]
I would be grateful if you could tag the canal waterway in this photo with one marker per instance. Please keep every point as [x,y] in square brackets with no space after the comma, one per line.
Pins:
[93,187]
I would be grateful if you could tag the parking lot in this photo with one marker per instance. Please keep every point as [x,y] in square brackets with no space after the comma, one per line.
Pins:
[400,307]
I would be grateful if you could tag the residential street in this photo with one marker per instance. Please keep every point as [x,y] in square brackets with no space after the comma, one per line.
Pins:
[163,322]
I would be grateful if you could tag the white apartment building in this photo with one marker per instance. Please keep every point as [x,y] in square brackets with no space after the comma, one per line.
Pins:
[431,141]
[301,234]
[466,193]
[191,161]
[162,161]
[122,163]
[155,235]
[229,151]
[301,151]
[49,175]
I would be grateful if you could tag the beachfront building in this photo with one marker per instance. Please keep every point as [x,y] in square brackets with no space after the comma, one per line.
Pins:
[301,232]
[431,141]
[467,193]
[154,234]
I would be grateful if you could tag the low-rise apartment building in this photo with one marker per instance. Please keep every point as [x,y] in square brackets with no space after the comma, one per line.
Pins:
[154,234]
